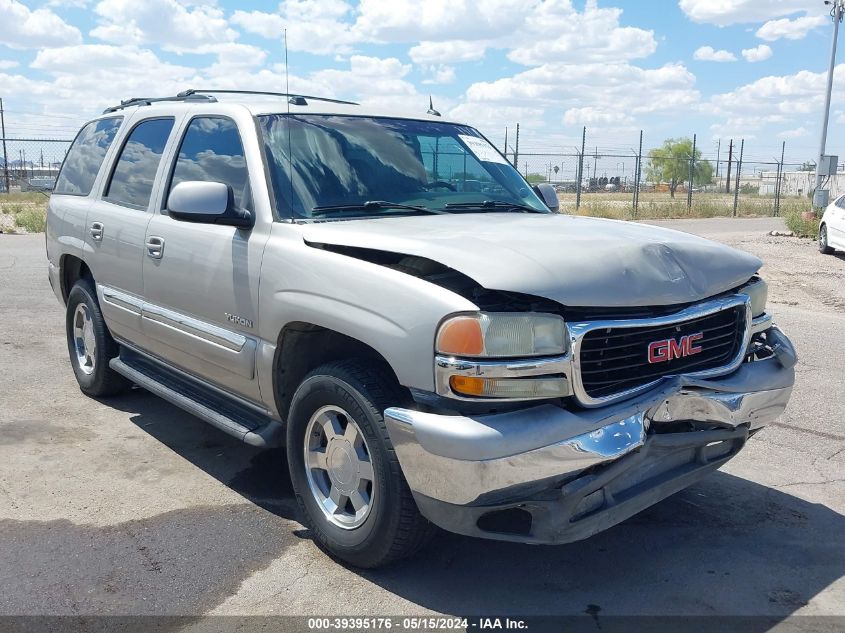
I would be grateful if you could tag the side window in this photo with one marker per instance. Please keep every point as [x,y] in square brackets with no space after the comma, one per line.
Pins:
[841,202]
[211,150]
[85,157]
[135,171]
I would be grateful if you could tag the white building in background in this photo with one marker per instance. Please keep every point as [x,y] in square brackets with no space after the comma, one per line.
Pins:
[798,183]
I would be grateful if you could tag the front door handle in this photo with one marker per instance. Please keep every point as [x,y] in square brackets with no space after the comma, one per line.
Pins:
[155,247]
[96,231]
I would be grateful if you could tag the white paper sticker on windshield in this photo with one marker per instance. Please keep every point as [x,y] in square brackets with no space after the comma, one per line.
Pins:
[482,150]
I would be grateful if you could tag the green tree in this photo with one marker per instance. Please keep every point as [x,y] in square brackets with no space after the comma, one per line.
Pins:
[536,178]
[670,163]
[808,166]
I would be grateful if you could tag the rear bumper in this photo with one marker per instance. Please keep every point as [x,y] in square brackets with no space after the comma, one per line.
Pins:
[577,472]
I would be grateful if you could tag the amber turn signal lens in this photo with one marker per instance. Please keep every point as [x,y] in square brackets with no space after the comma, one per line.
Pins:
[461,336]
[467,386]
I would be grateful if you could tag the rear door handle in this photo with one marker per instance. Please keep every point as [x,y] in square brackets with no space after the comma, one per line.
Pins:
[155,247]
[96,231]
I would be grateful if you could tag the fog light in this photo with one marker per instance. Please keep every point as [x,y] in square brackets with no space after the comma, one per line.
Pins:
[510,388]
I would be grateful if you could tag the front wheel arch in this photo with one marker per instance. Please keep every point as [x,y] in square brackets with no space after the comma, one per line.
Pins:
[302,347]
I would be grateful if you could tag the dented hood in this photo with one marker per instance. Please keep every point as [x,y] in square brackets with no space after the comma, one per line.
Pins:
[575,261]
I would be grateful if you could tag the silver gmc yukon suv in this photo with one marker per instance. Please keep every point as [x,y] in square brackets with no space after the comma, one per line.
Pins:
[385,296]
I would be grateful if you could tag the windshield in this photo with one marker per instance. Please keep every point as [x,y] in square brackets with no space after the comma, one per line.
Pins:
[340,163]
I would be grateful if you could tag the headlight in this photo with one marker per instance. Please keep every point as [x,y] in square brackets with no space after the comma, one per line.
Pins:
[758,290]
[502,335]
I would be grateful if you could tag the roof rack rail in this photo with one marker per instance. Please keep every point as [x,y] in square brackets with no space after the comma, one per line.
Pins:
[294,98]
[142,101]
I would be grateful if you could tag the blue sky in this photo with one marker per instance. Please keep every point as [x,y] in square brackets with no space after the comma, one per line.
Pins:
[719,68]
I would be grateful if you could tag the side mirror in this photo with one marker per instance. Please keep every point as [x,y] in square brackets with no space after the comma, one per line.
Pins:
[206,202]
[548,195]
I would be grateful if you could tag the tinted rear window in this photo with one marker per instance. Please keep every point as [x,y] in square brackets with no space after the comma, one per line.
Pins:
[85,157]
[134,174]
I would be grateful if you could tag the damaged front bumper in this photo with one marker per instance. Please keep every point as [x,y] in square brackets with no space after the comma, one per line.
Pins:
[551,475]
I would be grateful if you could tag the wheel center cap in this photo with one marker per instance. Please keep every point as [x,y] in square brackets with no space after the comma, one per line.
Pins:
[341,465]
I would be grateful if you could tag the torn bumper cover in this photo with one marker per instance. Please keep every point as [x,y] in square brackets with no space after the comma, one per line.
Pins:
[551,475]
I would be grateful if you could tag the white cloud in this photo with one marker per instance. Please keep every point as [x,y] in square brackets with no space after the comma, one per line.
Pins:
[710,54]
[796,29]
[439,74]
[623,89]
[439,20]
[727,12]
[774,100]
[371,80]
[556,32]
[485,117]
[595,116]
[796,133]
[267,25]
[313,26]
[757,54]
[21,27]
[454,51]
[167,23]
[69,4]
[8,63]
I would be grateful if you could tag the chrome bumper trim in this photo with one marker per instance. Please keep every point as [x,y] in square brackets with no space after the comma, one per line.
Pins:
[490,458]
[761,323]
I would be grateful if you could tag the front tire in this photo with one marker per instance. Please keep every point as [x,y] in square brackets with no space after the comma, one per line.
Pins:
[346,476]
[824,249]
[90,344]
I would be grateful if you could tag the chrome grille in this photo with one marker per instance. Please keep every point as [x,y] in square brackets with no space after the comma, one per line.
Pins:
[613,360]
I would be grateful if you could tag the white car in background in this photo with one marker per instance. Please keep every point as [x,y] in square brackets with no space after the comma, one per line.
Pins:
[832,227]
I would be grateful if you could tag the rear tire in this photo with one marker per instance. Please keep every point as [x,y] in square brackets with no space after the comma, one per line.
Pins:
[90,344]
[351,493]
[824,249]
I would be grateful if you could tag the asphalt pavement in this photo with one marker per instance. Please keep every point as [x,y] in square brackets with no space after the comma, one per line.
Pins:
[130,506]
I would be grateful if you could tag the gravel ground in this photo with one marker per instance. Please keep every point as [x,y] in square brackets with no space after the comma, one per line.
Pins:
[129,506]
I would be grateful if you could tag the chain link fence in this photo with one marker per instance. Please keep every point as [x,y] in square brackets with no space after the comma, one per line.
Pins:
[621,183]
[30,164]
[658,183]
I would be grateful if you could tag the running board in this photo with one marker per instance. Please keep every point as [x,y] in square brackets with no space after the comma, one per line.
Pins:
[238,420]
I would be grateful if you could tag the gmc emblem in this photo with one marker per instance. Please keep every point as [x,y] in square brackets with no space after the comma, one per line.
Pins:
[670,349]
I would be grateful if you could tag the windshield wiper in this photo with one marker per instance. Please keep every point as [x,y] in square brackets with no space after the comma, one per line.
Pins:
[371,205]
[494,205]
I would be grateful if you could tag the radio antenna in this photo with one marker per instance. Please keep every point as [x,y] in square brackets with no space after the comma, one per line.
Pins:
[287,76]
[288,124]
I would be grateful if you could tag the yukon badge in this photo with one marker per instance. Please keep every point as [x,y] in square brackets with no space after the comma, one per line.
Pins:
[238,320]
[670,349]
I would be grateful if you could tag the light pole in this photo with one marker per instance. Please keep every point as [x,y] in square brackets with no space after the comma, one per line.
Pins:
[837,11]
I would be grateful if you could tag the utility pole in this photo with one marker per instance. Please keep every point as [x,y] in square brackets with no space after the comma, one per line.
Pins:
[738,176]
[516,150]
[837,12]
[691,171]
[506,144]
[718,158]
[780,178]
[730,163]
[638,176]
[579,184]
[5,156]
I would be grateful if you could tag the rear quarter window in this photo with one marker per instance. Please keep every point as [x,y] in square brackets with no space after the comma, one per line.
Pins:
[86,156]
[134,172]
